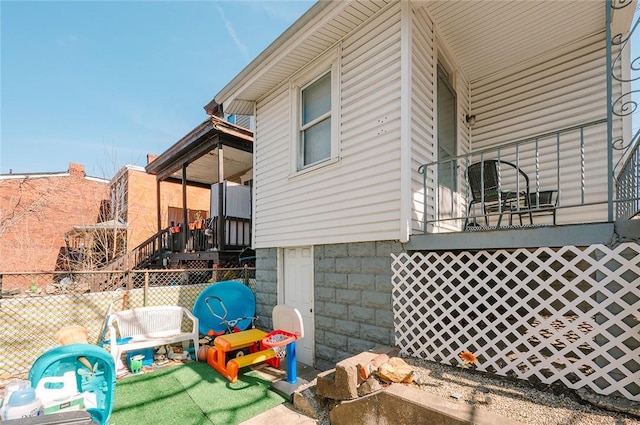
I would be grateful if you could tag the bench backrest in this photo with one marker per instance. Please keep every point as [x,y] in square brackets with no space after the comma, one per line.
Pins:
[149,321]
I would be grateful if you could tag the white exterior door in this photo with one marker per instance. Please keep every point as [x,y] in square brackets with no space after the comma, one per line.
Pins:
[298,293]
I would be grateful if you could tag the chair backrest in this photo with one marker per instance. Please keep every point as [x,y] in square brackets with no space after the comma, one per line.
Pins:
[493,176]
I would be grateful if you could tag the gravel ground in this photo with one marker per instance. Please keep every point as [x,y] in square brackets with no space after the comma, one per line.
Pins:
[517,400]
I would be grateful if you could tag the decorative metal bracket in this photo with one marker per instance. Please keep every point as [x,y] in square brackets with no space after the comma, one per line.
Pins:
[627,103]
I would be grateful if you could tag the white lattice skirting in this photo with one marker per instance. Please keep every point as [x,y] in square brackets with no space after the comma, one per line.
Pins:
[566,314]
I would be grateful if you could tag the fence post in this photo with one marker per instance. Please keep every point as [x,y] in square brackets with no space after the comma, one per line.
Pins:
[146,288]
[245,276]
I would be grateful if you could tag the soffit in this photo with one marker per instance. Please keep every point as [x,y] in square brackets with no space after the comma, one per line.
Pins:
[485,37]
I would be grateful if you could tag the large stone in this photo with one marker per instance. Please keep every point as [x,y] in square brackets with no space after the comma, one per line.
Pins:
[369,386]
[395,370]
[342,382]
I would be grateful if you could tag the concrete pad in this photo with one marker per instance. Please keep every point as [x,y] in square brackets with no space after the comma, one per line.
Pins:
[281,414]
[286,389]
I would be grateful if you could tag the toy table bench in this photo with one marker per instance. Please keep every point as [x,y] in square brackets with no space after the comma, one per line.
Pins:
[286,320]
[147,327]
[217,356]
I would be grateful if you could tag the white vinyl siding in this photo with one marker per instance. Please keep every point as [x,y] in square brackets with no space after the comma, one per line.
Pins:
[356,198]
[423,136]
[561,90]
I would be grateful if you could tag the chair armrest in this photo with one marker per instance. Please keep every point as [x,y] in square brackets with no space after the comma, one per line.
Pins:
[113,335]
[194,320]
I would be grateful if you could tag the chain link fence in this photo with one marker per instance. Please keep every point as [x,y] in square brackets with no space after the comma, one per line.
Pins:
[49,283]
[30,319]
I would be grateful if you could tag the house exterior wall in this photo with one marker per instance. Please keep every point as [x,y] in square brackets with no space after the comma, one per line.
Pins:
[35,213]
[562,89]
[426,51]
[565,88]
[352,297]
[423,118]
[364,185]
[266,286]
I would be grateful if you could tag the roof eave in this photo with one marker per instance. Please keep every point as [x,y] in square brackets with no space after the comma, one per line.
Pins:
[212,127]
[263,59]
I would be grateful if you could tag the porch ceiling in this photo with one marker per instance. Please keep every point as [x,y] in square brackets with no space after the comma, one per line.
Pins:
[490,36]
[484,36]
[199,150]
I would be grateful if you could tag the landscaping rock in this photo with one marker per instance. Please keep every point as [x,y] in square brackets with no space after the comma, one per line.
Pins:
[369,386]
[395,370]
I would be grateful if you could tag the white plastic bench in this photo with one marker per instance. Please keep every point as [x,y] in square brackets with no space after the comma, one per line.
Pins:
[150,327]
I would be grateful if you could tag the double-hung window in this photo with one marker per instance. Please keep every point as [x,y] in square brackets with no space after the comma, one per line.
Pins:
[315,125]
[314,97]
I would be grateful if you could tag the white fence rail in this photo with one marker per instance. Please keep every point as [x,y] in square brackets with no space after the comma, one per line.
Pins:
[569,314]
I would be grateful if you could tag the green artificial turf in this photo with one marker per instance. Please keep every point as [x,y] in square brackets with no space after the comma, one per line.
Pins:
[190,394]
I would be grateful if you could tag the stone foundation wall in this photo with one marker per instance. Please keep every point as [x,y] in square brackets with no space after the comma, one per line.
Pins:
[352,290]
[266,286]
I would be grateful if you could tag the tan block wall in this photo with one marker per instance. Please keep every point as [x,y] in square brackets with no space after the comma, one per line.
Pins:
[142,213]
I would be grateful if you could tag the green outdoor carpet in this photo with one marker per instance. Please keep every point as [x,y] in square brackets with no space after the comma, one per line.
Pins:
[191,394]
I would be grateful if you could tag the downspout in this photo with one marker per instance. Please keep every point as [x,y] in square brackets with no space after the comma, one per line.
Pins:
[220,229]
[185,226]
[610,175]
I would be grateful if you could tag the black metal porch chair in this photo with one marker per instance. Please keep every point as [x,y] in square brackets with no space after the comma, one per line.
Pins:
[499,187]
[544,202]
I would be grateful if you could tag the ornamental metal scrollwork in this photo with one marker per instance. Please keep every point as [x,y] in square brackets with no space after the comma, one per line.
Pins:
[620,4]
[627,103]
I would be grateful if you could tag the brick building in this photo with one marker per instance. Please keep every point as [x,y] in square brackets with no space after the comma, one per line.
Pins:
[135,192]
[37,210]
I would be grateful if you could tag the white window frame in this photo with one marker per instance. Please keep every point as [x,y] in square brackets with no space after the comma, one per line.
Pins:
[320,67]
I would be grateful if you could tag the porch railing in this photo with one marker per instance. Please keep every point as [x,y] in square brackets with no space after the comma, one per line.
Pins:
[628,184]
[570,162]
[237,235]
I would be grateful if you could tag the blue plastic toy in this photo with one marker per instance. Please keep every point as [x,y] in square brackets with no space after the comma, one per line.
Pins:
[95,373]
[233,302]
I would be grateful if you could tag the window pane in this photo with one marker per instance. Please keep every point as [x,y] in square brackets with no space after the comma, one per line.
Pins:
[446,133]
[316,142]
[316,99]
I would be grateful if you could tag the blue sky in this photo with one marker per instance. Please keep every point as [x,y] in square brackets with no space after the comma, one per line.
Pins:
[104,83]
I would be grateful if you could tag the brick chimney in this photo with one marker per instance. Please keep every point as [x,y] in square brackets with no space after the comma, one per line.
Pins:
[150,158]
[76,170]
